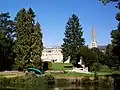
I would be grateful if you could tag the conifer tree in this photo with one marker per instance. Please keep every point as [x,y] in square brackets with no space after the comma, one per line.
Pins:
[37,45]
[73,40]
[20,42]
[6,42]
[28,40]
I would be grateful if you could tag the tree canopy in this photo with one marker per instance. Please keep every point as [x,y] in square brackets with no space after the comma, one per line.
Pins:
[73,40]
[28,44]
[7,29]
[113,49]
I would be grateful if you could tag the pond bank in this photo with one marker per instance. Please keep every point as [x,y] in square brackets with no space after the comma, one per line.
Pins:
[31,80]
[69,77]
[86,80]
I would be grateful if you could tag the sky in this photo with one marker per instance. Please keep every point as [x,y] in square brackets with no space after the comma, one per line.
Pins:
[54,14]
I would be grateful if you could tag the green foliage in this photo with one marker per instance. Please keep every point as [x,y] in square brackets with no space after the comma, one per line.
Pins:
[91,56]
[110,57]
[37,45]
[49,80]
[99,55]
[28,45]
[96,66]
[49,65]
[88,57]
[108,1]
[104,68]
[6,42]
[115,35]
[73,40]
[30,81]
[114,57]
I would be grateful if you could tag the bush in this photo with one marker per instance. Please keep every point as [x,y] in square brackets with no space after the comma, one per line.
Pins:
[29,82]
[96,66]
[49,80]
[49,65]
[104,68]
[4,82]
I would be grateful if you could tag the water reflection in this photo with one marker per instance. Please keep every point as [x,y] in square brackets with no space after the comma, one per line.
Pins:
[71,87]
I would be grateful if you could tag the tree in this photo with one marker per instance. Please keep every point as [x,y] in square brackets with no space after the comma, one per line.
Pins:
[28,39]
[108,1]
[6,42]
[88,57]
[92,57]
[99,55]
[73,40]
[110,57]
[37,45]
[115,34]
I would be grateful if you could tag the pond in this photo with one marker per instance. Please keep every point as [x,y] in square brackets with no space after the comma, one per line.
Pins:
[69,87]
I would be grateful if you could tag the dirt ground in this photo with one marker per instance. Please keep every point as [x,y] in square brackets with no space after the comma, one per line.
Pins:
[72,77]
[10,74]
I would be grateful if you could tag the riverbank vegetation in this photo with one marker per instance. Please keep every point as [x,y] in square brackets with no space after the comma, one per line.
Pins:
[29,81]
[32,81]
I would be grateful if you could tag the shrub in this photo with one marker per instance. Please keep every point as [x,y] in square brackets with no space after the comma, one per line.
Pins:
[29,82]
[49,80]
[4,82]
[49,65]
[104,68]
[96,66]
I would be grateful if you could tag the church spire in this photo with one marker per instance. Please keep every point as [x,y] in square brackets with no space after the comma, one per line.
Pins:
[93,42]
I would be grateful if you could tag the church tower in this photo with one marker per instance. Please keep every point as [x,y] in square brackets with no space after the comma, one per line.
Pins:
[93,42]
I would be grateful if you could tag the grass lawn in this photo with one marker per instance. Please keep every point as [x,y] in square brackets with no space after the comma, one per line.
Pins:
[80,74]
[60,66]
[72,74]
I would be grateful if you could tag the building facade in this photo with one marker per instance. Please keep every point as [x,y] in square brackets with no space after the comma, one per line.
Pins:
[52,54]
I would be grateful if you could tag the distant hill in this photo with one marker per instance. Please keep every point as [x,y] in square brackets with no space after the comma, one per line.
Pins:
[101,47]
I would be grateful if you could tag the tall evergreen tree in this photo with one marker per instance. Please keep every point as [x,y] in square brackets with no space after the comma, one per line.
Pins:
[28,40]
[73,40]
[6,42]
[20,42]
[37,45]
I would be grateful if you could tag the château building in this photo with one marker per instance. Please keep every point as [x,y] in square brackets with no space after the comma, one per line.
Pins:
[52,54]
